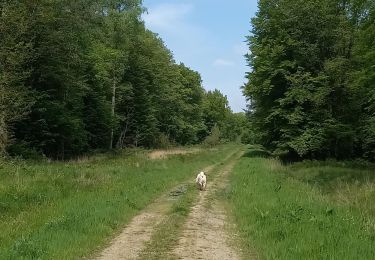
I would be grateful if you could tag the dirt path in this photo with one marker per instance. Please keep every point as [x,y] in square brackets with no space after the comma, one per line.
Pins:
[132,240]
[205,234]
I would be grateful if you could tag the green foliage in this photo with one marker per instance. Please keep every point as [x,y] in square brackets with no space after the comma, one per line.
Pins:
[23,151]
[162,141]
[235,127]
[363,78]
[214,137]
[215,109]
[307,97]
[16,51]
[77,76]
[218,114]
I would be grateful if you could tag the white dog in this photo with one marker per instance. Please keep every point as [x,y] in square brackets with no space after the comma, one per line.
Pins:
[201,181]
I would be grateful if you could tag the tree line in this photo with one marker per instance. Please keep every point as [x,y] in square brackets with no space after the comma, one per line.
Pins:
[84,75]
[311,89]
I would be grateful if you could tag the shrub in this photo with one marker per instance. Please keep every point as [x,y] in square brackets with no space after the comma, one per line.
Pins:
[214,138]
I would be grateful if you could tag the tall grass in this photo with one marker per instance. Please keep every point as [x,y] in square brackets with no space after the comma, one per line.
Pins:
[67,210]
[295,212]
[347,183]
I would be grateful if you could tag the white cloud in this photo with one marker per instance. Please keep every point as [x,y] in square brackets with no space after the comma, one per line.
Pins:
[223,63]
[167,17]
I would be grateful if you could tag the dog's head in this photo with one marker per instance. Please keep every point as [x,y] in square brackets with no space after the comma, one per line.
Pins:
[200,175]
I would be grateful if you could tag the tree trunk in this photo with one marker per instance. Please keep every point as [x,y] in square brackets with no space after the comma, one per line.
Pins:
[3,135]
[113,111]
[120,142]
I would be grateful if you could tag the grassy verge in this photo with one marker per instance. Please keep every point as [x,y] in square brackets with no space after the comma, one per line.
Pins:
[66,210]
[346,183]
[298,211]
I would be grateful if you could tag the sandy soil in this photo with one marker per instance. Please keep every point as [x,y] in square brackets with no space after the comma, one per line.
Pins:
[130,243]
[206,234]
[133,239]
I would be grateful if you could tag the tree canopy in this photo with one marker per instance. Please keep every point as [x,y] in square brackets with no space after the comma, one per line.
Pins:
[311,87]
[80,75]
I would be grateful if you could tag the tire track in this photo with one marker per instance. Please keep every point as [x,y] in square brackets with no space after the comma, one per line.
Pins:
[205,234]
[130,243]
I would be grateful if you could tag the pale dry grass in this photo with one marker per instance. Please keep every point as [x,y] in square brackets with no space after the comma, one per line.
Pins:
[355,194]
[275,165]
[162,154]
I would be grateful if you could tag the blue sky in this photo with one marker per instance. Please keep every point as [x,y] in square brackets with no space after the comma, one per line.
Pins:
[207,36]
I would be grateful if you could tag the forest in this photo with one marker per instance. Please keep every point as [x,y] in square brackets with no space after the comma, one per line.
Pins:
[103,132]
[84,76]
[311,89]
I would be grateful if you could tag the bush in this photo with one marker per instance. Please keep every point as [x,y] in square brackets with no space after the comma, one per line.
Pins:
[24,151]
[248,138]
[214,138]
[162,141]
